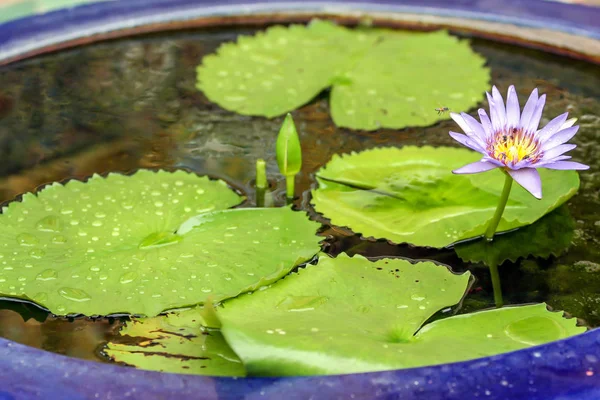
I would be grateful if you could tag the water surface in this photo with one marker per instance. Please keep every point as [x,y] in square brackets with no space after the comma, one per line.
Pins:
[132,103]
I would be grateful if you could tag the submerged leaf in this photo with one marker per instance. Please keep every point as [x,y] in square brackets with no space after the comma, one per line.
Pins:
[348,315]
[109,245]
[410,195]
[380,78]
[551,235]
[175,343]
[339,316]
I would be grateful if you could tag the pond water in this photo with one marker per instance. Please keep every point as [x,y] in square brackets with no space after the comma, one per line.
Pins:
[132,103]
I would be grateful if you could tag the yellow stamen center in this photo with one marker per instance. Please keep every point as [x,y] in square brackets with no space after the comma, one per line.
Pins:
[513,146]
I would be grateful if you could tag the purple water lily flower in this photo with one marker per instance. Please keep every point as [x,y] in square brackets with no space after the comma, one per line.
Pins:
[511,139]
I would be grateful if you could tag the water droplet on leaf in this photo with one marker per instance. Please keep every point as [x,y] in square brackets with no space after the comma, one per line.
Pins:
[59,239]
[128,277]
[51,223]
[73,294]
[37,253]
[417,297]
[27,239]
[47,275]
[535,330]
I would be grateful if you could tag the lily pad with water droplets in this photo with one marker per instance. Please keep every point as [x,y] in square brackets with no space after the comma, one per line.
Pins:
[278,70]
[402,79]
[410,195]
[348,315]
[337,316]
[110,245]
[175,343]
[380,78]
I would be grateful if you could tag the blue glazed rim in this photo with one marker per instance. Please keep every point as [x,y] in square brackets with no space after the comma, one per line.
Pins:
[31,35]
[567,369]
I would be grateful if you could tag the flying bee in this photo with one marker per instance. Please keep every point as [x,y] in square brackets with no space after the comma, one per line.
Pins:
[441,110]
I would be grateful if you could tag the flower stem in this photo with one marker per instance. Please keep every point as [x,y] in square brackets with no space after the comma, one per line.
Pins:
[496,285]
[491,229]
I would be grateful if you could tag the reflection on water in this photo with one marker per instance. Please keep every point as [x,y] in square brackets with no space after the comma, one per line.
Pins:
[81,337]
[132,103]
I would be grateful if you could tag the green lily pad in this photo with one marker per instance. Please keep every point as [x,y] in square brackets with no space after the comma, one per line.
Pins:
[109,245]
[338,316]
[349,315]
[175,343]
[404,77]
[378,76]
[410,195]
[278,70]
[486,333]
[551,235]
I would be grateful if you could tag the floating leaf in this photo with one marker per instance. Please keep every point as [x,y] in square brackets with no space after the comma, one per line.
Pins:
[487,333]
[349,315]
[410,195]
[380,78]
[551,235]
[175,343]
[337,316]
[278,70]
[109,245]
[404,77]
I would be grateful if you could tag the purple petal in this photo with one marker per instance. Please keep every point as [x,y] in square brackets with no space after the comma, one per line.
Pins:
[513,110]
[485,123]
[473,168]
[460,121]
[540,164]
[529,108]
[476,128]
[499,102]
[559,138]
[522,164]
[557,151]
[566,165]
[529,179]
[491,160]
[466,141]
[497,123]
[537,115]
[552,127]
[568,123]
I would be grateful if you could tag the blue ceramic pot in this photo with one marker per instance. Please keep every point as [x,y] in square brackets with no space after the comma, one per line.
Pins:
[568,369]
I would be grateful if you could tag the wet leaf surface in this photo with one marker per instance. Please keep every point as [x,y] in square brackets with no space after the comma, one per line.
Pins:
[410,195]
[349,315]
[175,343]
[338,316]
[404,77]
[109,245]
[378,76]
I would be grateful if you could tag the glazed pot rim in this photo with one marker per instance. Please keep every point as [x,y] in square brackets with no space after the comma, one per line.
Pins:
[541,20]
